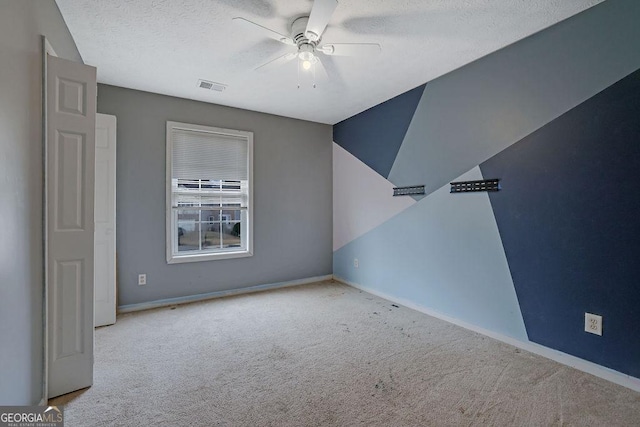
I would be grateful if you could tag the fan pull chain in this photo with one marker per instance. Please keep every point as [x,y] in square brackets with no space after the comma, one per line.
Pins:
[314,73]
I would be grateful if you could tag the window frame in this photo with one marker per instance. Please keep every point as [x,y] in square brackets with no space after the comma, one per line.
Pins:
[175,258]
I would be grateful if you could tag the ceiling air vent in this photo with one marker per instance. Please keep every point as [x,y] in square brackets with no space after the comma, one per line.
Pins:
[205,84]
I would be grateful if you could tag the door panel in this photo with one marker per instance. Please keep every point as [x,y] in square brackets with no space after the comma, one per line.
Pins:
[70,159]
[68,176]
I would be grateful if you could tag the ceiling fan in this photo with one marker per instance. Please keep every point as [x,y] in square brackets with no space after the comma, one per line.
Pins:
[305,39]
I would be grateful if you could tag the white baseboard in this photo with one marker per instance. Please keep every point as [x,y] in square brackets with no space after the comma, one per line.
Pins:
[566,359]
[128,308]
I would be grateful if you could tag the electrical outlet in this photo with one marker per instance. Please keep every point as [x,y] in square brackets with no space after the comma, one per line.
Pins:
[593,323]
[356,263]
[142,279]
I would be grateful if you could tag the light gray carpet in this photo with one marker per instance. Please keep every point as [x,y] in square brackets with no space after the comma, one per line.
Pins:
[327,354]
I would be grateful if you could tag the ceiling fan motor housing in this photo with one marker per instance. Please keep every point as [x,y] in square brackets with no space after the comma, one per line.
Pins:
[298,29]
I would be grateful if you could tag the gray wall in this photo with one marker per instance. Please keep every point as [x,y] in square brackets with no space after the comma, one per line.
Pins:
[21,25]
[292,197]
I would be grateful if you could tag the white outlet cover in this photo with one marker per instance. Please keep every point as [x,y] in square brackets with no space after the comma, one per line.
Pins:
[593,323]
[356,263]
[142,279]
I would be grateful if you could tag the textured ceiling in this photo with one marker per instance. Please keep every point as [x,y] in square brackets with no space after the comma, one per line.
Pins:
[165,46]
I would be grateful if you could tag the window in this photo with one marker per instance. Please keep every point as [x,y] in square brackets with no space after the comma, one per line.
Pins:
[209,193]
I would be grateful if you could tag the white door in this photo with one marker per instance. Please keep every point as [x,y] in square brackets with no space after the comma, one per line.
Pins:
[70,168]
[105,218]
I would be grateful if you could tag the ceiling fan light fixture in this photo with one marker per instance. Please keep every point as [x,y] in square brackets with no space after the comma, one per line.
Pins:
[307,59]
[306,56]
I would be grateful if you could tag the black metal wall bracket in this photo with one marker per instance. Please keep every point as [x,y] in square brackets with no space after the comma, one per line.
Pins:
[469,186]
[409,191]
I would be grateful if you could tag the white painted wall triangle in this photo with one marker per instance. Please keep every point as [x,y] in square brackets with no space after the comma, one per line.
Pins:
[362,198]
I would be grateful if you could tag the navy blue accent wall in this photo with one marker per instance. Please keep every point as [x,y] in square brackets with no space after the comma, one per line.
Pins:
[569,218]
[375,135]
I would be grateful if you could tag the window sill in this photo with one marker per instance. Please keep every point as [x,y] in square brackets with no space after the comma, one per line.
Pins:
[179,259]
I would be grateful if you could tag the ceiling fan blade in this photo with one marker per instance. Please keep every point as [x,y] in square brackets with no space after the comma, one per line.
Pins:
[333,73]
[320,71]
[319,18]
[351,49]
[280,60]
[264,31]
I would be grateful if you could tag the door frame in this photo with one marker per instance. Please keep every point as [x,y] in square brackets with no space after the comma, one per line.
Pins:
[108,120]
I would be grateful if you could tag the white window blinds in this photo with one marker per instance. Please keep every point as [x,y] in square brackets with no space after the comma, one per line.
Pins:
[199,155]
